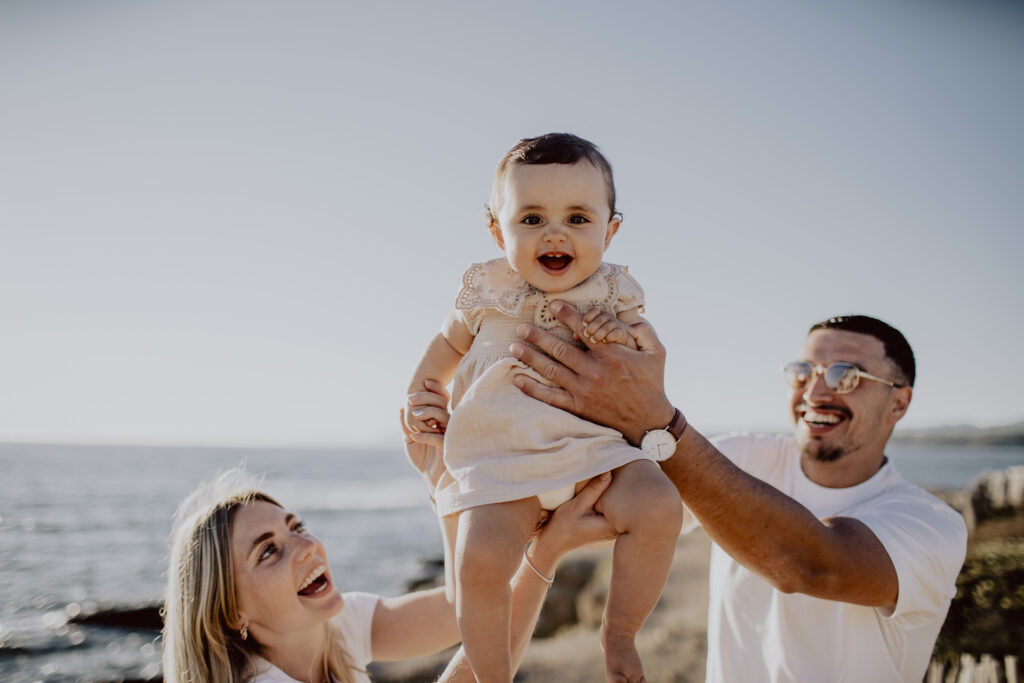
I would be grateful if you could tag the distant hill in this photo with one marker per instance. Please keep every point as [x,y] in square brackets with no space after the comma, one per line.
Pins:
[1002,435]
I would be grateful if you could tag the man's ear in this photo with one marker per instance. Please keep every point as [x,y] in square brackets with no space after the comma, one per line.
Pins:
[613,227]
[901,401]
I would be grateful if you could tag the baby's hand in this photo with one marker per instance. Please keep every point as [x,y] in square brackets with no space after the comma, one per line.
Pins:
[427,411]
[600,326]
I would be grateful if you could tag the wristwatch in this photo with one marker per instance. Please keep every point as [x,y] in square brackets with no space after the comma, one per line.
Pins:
[660,444]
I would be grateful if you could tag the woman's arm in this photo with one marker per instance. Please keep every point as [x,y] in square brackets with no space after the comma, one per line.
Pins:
[413,625]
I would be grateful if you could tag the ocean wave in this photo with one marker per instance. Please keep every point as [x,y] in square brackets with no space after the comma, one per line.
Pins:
[38,641]
[353,494]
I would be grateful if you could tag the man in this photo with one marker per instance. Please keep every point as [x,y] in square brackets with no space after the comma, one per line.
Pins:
[826,564]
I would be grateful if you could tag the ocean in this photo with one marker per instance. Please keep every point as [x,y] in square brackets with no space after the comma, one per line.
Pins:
[85,527]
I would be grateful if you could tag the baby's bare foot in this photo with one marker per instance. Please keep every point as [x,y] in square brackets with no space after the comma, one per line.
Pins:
[621,659]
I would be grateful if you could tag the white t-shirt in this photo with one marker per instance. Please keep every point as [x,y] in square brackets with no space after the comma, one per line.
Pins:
[757,633]
[355,622]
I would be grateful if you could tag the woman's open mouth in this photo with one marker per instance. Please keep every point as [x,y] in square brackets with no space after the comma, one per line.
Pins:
[555,262]
[315,583]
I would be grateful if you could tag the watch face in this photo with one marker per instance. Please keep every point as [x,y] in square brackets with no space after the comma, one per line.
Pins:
[659,444]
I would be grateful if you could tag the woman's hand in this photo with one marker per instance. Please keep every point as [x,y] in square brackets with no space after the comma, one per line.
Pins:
[427,411]
[611,385]
[426,450]
[574,524]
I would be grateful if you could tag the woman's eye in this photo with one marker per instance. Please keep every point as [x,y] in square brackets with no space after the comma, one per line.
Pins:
[531,220]
[300,528]
[268,551]
[578,219]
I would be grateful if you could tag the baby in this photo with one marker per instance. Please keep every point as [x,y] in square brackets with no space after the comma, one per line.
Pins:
[509,457]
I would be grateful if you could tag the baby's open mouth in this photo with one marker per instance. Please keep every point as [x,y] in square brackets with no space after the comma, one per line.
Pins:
[555,262]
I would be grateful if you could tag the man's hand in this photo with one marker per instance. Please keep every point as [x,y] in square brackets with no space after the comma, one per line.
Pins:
[612,385]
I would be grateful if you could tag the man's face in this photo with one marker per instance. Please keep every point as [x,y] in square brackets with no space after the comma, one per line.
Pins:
[830,426]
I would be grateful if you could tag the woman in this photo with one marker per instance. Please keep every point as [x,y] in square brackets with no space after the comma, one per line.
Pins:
[251,599]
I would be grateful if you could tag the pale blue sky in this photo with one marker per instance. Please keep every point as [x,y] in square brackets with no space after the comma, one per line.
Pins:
[239,223]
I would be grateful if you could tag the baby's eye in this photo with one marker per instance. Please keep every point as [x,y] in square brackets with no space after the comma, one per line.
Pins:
[578,219]
[532,219]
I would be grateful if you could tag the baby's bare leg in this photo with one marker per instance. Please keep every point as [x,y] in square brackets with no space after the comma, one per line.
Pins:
[644,507]
[449,533]
[488,551]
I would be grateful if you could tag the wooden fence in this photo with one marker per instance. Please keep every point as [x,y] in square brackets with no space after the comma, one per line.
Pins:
[988,669]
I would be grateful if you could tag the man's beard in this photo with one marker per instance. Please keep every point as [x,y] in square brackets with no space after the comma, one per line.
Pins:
[828,453]
[822,452]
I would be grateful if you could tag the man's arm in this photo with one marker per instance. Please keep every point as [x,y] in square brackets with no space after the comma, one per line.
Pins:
[837,558]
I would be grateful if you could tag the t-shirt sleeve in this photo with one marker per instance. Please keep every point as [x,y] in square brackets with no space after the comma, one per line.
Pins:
[356,624]
[926,541]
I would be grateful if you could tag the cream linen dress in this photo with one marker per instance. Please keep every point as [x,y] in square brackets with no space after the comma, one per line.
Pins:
[501,445]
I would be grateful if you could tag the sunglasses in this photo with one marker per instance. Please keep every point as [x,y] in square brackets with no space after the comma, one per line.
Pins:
[840,377]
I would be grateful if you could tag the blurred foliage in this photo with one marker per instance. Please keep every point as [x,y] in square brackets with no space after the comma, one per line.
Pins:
[987,614]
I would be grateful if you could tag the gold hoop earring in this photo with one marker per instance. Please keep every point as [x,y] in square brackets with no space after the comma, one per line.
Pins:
[245,632]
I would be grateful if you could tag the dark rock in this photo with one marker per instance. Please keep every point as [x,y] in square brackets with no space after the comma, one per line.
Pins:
[561,606]
[137,617]
[431,575]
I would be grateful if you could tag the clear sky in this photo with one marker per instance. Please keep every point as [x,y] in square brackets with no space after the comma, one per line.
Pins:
[240,223]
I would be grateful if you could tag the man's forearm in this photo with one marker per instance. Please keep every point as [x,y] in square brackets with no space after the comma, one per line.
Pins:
[775,536]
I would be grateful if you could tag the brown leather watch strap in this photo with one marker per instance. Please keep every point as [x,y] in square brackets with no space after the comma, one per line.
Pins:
[678,425]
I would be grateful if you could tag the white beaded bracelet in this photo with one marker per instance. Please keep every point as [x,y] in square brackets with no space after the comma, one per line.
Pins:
[537,571]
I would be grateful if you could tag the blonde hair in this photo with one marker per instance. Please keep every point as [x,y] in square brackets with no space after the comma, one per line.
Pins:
[201,643]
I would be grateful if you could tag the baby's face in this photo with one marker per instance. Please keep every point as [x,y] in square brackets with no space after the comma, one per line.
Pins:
[554,223]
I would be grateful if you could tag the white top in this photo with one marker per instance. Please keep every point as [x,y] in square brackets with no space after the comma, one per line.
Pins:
[757,633]
[355,622]
[500,444]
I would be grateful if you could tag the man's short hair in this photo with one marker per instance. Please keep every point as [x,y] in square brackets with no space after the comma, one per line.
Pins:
[551,148]
[896,347]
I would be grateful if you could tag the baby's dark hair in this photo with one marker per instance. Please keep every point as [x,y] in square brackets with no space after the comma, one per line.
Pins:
[897,349]
[552,148]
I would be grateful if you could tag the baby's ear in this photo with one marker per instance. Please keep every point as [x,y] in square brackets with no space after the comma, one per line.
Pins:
[494,227]
[613,227]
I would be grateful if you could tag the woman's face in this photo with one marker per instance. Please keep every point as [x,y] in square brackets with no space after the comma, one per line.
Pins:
[283,585]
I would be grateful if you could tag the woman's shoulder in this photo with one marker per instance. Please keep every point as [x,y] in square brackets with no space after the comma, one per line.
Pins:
[265,672]
[359,607]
